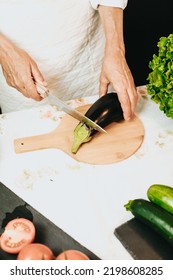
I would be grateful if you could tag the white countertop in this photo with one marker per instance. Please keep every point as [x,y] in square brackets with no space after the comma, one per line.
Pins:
[86,201]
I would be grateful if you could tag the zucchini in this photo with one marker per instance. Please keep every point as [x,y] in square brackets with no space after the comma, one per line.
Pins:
[161,195]
[154,216]
[104,111]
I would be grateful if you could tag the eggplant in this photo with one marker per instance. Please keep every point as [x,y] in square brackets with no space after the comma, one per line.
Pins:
[105,110]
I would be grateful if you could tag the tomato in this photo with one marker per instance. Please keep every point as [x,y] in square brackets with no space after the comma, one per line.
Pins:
[18,232]
[35,251]
[72,255]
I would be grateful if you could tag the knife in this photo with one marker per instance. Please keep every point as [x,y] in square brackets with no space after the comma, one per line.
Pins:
[53,100]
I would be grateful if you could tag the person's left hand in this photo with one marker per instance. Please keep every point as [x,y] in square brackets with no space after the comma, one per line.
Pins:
[116,72]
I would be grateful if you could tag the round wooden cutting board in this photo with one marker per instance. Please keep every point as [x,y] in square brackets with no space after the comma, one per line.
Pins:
[121,141]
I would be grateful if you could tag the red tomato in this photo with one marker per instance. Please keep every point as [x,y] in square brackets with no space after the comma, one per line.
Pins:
[35,251]
[18,232]
[72,255]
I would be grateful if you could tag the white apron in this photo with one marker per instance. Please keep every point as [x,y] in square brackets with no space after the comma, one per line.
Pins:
[66,40]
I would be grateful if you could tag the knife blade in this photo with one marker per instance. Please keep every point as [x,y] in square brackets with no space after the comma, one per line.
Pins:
[53,100]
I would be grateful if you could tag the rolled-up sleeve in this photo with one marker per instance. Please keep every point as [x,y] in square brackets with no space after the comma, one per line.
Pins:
[112,3]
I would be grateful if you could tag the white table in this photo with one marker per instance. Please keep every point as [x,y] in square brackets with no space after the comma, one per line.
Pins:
[86,201]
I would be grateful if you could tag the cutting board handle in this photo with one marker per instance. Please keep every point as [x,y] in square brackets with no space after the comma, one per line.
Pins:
[43,141]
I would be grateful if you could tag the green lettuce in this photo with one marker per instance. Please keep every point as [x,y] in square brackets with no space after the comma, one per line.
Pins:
[160,79]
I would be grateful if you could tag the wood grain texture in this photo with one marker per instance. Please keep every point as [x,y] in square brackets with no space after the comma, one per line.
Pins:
[122,140]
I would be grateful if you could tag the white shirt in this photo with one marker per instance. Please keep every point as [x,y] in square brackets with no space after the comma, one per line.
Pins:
[66,40]
[113,3]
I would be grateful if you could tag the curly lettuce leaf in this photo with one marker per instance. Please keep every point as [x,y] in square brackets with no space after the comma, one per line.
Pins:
[160,85]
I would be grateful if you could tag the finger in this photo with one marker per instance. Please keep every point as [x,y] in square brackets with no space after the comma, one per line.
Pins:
[33,92]
[29,90]
[42,90]
[103,87]
[133,98]
[131,90]
[125,104]
[37,75]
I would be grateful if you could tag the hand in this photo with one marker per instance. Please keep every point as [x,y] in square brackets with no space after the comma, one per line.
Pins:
[116,72]
[20,70]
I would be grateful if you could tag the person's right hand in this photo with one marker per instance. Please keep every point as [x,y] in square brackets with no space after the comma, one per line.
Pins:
[20,70]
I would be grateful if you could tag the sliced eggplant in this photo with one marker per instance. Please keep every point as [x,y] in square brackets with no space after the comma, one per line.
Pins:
[105,110]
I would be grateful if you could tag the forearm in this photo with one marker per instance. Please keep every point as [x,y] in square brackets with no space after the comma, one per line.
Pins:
[112,20]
